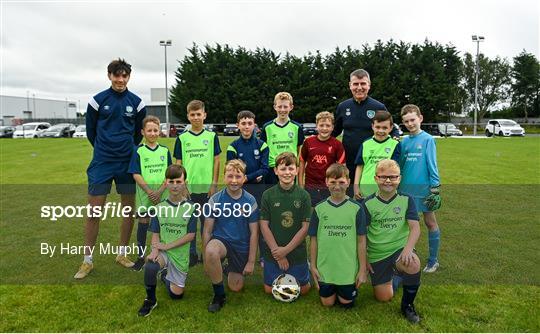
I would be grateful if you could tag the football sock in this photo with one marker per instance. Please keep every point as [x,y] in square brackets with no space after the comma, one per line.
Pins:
[142,229]
[122,250]
[150,273]
[88,259]
[219,289]
[409,294]
[434,242]
[150,292]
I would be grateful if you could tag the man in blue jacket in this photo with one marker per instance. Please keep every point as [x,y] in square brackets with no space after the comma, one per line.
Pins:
[113,127]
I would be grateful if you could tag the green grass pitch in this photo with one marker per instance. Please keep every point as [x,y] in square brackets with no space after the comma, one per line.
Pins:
[488,281]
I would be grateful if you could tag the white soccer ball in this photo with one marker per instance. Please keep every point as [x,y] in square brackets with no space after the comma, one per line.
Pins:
[285,288]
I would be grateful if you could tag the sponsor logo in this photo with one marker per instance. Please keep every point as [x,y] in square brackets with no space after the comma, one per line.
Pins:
[287,219]
[277,204]
[320,159]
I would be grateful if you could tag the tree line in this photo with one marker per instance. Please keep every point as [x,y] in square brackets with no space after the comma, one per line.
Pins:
[431,75]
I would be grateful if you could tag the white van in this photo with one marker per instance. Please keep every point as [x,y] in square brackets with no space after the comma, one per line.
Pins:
[30,130]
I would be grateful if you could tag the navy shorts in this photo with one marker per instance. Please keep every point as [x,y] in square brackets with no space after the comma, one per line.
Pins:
[347,292]
[101,175]
[385,269]
[299,271]
[317,195]
[236,260]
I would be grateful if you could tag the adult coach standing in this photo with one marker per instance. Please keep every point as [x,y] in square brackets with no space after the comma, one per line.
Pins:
[113,126]
[353,117]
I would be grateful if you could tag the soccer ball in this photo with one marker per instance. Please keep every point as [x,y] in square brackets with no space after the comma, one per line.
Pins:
[285,288]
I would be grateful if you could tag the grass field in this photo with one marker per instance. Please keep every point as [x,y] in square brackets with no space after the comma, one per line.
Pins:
[489,279]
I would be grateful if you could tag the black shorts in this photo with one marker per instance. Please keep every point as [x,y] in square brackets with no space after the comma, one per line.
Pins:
[317,195]
[347,292]
[236,260]
[385,269]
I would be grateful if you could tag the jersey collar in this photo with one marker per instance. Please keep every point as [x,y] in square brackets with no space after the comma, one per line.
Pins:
[386,202]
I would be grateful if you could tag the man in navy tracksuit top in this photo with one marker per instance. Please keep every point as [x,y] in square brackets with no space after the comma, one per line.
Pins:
[353,117]
[113,127]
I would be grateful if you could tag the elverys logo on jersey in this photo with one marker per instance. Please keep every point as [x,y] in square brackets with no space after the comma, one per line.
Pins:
[287,219]
[370,113]
[129,111]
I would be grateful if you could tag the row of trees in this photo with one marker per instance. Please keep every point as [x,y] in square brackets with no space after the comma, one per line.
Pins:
[430,75]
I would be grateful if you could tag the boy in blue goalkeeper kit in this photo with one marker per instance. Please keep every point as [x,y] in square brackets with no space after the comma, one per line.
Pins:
[421,177]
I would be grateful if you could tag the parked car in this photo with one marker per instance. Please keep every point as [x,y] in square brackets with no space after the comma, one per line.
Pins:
[80,132]
[309,129]
[231,130]
[30,130]
[449,129]
[6,131]
[65,130]
[503,127]
[210,127]
[398,129]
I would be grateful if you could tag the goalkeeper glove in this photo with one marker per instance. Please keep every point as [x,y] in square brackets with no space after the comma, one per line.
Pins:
[433,201]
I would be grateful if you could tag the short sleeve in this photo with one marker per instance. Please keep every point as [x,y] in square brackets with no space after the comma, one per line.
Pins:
[361,226]
[359,156]
[340,152]
[304,151]
[313,224]
[397,153]
[135,163]
[306,203]
[264,213]
[169,158]
[300,135]
[412,214]
[254,216]
[367,216]
[231,152]
[154,225]
[178,149]
[192,224]
[217,148]
[211,204]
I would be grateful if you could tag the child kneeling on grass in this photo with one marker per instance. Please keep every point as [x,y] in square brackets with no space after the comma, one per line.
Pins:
[392,232]
[172,229]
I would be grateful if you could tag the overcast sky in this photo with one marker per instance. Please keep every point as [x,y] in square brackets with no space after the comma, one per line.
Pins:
[61,49]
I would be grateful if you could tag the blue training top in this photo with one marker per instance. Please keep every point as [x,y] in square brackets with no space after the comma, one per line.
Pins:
[252,151]
[234,230]
[114,123]
[418,164]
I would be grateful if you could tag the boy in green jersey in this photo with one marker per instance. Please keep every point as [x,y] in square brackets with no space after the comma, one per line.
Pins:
[392,232]
[380,146]
[284,218]
[281,134]
[172,228]
[337,232]
[148,165]
[198,151]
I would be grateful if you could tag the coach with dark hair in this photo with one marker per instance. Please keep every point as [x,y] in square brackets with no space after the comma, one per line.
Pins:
[353,117]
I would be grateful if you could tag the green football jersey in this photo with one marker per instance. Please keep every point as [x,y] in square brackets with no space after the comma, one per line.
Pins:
[286,210]
[173,221]
[370,153]
[337,227]
[197,154]
[387,226]
[281,139]
[152,166]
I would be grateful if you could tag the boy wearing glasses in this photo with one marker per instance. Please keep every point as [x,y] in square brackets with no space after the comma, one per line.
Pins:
[380,146]
[392,232]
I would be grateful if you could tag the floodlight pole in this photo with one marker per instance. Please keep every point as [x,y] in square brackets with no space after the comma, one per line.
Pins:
[477,40]
[165,44]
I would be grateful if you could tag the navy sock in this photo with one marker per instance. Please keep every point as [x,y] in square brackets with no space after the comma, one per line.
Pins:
[219,289]
[142,229]
[150,292]
[409,294]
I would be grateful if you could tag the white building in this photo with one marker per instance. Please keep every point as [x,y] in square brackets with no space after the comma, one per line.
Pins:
[15,108]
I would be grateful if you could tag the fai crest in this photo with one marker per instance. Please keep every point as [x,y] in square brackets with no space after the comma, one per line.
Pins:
[297,204]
